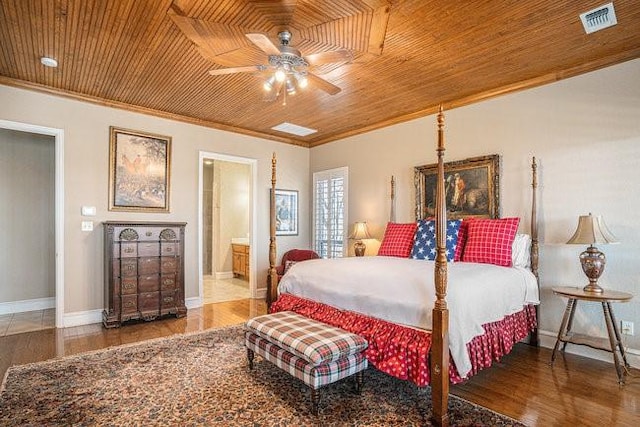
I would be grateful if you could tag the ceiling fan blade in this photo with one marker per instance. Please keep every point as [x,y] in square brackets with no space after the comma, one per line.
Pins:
[342,55]
[264,43]
[247,69]
[321,83]
[273,94]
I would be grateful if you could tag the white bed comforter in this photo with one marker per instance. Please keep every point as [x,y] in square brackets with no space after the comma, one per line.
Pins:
[401,290]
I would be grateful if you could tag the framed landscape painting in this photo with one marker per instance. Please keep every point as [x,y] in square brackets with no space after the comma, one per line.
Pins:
[286,212]
[471,188]
[139,171]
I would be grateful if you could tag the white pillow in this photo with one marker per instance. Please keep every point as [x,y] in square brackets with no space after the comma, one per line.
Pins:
[521,251]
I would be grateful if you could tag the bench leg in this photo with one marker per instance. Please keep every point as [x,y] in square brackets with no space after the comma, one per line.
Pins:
[315,401]
[359,379]
[250,355]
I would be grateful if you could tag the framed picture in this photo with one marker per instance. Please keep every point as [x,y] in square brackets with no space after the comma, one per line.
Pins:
[471,188]
[286,212]
[139,171]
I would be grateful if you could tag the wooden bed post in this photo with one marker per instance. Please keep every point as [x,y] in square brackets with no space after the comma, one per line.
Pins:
[534,240]
[272,282]
[440,326]
[392,210]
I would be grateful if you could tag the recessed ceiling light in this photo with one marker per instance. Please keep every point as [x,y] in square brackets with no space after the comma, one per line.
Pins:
[294,129]
[49,62]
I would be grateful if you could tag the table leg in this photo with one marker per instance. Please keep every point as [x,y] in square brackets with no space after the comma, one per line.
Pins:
[566,319]
[618,337]
[570,323]
[612,339]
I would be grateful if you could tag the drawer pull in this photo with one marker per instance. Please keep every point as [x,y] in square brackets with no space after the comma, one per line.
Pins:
[128,250]
[167,299]
[169,249]
[148,233]
[129,285]
[167,282]
[129,304]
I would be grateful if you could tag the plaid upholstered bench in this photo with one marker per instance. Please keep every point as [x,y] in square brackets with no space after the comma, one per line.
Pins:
[314,352]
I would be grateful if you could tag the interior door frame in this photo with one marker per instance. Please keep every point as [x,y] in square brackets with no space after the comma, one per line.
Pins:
[253,217]
[58,135]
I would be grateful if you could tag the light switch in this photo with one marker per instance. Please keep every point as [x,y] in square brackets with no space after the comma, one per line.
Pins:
[88,211]
[87,225]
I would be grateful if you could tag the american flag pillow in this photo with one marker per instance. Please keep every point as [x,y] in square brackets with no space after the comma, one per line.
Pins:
[397,240]
[462,239]
[489,241]
[424,244]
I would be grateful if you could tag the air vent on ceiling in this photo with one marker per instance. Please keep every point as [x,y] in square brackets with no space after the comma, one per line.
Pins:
[294,129]
[599,18]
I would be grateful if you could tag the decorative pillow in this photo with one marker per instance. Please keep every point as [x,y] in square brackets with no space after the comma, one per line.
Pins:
[521,251]
[287,265]
[424,244]
[462,239]
[397,240]
[490,241]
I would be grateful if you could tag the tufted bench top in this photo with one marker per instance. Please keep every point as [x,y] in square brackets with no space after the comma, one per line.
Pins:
[316,342]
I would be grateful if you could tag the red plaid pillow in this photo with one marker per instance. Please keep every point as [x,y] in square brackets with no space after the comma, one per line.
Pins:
[397,240]
[489,241]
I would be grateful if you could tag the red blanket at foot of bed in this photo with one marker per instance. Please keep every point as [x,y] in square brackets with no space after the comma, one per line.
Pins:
[403,352]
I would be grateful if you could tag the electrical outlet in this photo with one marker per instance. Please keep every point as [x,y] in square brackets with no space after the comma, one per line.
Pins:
[627,327]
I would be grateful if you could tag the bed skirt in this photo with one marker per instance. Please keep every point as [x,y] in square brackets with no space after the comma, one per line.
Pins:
[403,352]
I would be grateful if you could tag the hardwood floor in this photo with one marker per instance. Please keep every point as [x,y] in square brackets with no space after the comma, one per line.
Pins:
[577,391]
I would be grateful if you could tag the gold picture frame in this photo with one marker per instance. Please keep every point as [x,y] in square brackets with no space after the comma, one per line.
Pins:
[472,188]
[139,171]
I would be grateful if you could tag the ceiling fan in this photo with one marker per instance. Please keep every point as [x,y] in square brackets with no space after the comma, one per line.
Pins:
[287,69]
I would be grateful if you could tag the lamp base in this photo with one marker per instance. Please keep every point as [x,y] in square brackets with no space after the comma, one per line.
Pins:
[593,262]
[593,288]
[359,248]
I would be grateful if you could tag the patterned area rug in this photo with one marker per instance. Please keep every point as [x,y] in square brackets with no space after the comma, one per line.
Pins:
[203,379]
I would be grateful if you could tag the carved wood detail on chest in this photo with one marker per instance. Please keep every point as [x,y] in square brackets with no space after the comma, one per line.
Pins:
[144,271]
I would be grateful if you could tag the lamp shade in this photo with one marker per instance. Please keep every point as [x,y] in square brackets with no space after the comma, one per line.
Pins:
[591,230]
[360,231]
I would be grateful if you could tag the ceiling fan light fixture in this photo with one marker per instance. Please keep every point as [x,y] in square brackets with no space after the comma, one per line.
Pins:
[280,75]
[268,85]
[291,88]
[303,82]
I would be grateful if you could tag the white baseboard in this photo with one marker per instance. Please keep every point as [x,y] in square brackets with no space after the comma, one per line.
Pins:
[193,302]
[80,318]
[12,307]
[224,275]
[548,340]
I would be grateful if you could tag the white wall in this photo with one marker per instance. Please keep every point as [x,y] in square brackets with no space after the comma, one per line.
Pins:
[86,164]
[585,133]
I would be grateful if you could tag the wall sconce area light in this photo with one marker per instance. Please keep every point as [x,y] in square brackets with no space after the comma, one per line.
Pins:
[591,230]
[360,232]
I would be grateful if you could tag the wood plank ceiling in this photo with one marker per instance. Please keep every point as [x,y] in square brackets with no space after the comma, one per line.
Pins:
[409,56]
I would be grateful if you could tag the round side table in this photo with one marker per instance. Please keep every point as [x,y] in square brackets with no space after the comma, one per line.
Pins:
[613,344]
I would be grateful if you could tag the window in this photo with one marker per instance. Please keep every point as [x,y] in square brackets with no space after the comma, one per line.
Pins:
[330,196]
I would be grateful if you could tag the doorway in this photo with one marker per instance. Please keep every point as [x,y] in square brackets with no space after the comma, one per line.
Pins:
[226,228]
[33,291]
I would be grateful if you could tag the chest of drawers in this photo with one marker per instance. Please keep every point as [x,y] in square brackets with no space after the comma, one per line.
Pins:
[143,271]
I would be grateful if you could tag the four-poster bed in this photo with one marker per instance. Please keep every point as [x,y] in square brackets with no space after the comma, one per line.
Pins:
[419,348]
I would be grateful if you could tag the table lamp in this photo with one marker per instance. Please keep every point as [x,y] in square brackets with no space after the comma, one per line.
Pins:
[360,232]
[592,229]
